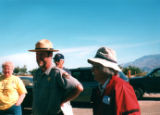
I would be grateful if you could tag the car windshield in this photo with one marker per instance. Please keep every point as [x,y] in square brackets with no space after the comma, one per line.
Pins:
[28,81]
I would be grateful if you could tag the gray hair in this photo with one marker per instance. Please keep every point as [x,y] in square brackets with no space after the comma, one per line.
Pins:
[8,63]
[109,71]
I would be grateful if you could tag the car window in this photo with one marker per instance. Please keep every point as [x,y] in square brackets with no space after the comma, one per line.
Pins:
[27,82]
[156,73]
[83,75]
[87,76]
[76,74]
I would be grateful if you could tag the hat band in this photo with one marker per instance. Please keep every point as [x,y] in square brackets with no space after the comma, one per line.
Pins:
[103,57]
[45,48]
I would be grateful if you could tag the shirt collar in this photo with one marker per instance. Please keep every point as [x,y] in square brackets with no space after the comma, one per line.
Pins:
[48,70]
[105,84]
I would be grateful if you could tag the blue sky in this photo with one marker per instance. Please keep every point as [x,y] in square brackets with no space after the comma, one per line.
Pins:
[78,28]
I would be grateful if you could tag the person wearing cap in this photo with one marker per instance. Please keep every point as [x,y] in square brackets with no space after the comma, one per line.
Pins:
[12,91]
[59,62]
[114,95]
[50,83]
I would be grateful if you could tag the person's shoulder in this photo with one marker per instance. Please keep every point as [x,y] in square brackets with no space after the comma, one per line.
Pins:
[121,84]
[55,70]
[14,77]
[118,81]
[67,70]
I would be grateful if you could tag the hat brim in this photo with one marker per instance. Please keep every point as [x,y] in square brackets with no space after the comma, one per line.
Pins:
[104,63]
[43,50]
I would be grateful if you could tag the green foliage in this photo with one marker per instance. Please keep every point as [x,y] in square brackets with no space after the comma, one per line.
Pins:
[134,70]
[24,69]
[32,72]
[18,70]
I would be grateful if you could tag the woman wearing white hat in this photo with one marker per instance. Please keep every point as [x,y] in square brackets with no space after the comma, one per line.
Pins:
[115,96]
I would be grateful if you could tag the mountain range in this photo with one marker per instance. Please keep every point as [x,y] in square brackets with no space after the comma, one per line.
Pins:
[145,63]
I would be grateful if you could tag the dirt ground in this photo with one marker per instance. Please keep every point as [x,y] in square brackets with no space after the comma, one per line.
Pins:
[149,104]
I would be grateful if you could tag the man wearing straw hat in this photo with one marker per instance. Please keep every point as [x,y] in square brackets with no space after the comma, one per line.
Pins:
[50,83]
[114,96]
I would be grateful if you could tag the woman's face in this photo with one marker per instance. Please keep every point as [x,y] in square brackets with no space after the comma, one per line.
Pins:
[98,74]
[7,70]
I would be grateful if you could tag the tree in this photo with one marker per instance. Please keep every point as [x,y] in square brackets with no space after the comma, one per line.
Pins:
[23,70]
[133,70]
[16,70]
[32,72]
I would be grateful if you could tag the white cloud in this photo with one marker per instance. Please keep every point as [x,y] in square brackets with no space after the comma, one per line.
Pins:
[77,57]
[71,56]
[20,60]
[74,57]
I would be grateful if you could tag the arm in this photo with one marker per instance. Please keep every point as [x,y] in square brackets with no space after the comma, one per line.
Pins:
[20,99]
[70,84]
[73,93]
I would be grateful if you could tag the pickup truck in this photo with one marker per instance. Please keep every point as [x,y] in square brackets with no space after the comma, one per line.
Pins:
[85,76]
[149,83]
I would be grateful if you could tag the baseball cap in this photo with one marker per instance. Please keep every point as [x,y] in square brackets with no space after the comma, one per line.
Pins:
[58,57]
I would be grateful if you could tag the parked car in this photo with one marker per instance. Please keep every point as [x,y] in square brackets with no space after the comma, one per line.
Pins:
[149,83]
[83,74]
[28,82]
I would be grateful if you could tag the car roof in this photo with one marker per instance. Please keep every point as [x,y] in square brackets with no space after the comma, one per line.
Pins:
[121,74]
[81,68]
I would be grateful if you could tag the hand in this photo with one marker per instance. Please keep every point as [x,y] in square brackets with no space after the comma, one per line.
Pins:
[17,104]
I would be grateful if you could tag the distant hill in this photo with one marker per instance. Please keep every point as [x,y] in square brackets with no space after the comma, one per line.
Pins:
[146,63]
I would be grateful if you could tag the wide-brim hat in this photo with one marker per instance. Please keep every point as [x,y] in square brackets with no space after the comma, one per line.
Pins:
[43,45]
[105,57]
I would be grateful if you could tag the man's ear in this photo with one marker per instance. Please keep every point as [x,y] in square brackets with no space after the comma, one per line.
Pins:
[62,61]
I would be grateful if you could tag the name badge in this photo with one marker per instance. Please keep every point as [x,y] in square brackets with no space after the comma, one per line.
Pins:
[106,100]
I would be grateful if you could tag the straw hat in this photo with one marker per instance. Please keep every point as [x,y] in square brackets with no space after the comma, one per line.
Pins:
[43,45]
[105,57]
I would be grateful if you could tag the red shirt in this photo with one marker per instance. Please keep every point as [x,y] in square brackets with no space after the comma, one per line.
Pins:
[118,98]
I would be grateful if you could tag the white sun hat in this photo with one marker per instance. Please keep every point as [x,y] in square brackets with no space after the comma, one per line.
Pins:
[105,57]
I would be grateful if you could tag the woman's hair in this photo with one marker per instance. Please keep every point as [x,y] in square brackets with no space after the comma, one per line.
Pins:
[111,72]
[7,63]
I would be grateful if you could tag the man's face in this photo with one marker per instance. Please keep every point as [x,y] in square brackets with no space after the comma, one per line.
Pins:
[60,63]
[7,70]
[43,59]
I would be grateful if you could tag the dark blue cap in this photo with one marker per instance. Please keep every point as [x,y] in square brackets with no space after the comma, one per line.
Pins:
[57,57]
